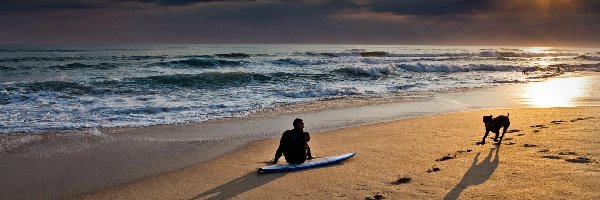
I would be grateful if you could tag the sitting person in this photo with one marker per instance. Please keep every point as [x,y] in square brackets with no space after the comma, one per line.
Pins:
[294,145]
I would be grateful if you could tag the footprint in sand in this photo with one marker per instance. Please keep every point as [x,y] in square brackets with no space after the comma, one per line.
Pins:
[513,131]
[508,139]
[536,131]
[552,157]
[529,145]
[510,143]
[579,160]
[375,197]
[402,180]
[446,157]
[543,150]
[579,119]
[464,151]
[520,134]
[540,126]
[433,169]
[564,153]
[557,122]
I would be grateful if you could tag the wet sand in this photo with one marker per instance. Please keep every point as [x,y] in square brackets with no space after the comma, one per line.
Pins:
[548,153]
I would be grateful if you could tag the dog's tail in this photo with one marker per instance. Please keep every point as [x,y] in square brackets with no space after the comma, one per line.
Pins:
[508,114]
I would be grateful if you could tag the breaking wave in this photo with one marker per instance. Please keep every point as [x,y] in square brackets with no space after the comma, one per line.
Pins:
[233,55]
[206,80]
[299,62]
[419,67]
[321,93]
[367,71]
[75,66]
[483,53]
[589,57]
[202,63]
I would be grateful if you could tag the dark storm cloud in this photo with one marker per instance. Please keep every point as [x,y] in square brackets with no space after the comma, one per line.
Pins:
[301,21]
[400,7]
[468,7]
[91,4]
[431,7]
[20,5]
[182,2]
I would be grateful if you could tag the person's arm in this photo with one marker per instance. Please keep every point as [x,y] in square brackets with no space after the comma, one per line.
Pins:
[308,154]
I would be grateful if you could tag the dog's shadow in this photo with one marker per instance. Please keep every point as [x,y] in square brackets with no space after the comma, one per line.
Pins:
[477,173]
[239,185]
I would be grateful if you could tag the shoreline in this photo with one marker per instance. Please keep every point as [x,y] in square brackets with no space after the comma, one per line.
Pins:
[115,147]
[383,150]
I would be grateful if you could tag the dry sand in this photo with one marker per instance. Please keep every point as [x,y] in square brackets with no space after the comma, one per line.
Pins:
[534,162]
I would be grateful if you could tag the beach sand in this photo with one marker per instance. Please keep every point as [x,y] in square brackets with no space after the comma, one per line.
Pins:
[550,153]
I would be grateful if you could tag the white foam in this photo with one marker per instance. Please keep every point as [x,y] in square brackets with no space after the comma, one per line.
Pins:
[95,132]
[376,71]
[591,57]
[321,93]
[449,68]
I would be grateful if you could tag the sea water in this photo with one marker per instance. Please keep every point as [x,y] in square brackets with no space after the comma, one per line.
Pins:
[53,88]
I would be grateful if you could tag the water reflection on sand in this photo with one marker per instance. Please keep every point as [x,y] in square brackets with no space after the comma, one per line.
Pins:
[558,92]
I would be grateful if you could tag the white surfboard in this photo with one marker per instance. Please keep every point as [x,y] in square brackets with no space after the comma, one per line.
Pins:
[314,163]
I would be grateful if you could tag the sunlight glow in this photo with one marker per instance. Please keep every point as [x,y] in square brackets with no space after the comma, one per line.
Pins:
[537,49]
[541,63]
[560,92]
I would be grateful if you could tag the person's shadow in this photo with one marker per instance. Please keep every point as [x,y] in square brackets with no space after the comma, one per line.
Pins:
[239,185]
[477,173]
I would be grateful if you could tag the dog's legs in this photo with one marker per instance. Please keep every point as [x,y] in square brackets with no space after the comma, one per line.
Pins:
[496,137]
[503,132]
[485,136]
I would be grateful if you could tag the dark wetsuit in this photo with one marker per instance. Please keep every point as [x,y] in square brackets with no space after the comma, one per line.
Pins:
[294,146]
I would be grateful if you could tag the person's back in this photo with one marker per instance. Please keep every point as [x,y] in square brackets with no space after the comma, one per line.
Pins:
[294,144]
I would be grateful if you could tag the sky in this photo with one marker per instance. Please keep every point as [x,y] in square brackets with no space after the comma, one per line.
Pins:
[408,22]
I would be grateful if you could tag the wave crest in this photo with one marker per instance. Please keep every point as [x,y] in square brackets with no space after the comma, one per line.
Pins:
[75,66]
[298,62]
[202,63]
[321,93]
[233,55]
[419,67]
[368,71]
[589,57]
[206,80]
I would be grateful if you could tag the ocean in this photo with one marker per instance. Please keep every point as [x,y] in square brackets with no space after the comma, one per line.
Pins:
[55,88]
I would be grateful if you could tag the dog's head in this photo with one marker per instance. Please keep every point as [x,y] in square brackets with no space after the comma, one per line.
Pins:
[487,120]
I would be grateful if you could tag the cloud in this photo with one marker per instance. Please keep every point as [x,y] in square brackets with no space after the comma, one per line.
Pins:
[20,5]
[430,7]
[475,7]
[36,5]
[301,21]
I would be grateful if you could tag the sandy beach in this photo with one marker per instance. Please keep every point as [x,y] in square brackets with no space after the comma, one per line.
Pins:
[189,99]
[550,153]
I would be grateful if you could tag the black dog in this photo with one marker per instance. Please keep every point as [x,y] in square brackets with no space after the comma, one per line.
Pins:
[494,125]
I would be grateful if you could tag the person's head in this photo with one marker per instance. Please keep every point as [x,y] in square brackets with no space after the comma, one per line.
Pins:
[298,124]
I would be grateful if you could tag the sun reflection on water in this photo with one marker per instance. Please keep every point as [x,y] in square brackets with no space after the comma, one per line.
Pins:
[560,92]
[537,49]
